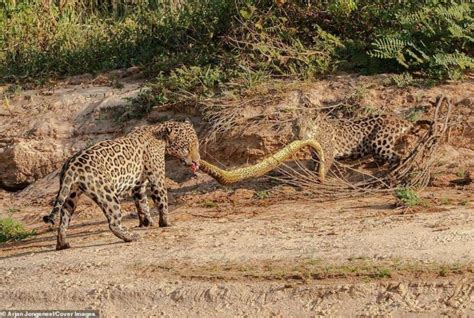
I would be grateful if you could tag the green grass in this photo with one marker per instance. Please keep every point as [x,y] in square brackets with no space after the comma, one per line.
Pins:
[12,210]
[446,201]
[263,194]
[13,230]
[402,80]
[39,43]
[461,173]
[407,197]
[380,273]
[415,114]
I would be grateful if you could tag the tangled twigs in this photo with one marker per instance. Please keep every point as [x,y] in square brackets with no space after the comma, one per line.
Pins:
[415,169]
[346,180]
[232,176]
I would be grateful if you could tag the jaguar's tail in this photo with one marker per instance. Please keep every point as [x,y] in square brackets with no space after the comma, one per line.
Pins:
[63,193]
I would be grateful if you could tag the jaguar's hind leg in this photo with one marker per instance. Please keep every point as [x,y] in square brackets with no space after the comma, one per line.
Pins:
[141,202]
[314,163]
[159,196]
[67,211]
[110,205]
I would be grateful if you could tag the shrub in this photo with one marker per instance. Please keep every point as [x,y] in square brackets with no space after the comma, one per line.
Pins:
[50,41]
[270,42]
[13,230]
[407,197]
[210,47]
[429,37]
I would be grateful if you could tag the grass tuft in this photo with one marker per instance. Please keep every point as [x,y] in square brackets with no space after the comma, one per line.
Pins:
[407,197]
[13,230]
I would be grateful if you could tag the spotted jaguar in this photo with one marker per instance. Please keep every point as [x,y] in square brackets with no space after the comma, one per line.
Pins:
[110,168]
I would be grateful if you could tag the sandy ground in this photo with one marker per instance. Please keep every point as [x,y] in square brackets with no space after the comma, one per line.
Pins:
[265,257]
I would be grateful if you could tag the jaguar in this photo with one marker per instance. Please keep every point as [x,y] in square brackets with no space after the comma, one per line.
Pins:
[110,168]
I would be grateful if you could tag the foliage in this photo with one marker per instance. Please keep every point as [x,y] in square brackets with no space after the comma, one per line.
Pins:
[39,41]
[381,273]
[13,230]
[136,107]
[270,42]
[430,38]
[263,194]
[194,49]
[407,196]
[415,114]
[187,82]
[210,204]
[402,80]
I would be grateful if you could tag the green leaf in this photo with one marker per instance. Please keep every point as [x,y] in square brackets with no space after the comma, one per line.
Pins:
[245,14]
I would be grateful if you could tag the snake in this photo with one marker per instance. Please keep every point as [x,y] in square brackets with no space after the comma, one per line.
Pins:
[226,177]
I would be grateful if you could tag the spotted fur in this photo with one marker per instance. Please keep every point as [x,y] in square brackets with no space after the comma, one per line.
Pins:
[375,135]
[106,170]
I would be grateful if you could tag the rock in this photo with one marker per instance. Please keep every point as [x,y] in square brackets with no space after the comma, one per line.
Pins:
[24,162]
[52,127]
[81,79]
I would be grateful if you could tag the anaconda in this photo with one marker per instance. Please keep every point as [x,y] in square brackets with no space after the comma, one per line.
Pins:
[226,177]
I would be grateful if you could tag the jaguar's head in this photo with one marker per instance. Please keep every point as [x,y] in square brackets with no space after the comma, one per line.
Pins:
[182,142]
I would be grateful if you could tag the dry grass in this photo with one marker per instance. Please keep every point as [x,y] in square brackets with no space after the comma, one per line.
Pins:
[415,169]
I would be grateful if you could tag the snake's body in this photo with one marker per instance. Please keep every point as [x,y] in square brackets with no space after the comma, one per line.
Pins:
[232,176]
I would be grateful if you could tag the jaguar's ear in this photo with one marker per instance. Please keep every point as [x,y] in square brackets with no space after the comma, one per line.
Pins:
[188,121]
[166,134]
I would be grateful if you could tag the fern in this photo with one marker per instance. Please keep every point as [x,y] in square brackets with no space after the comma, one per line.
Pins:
[455,12]
[430,38]
[387,48]
[390,48]
[414,17]
[452,64]
[451,59]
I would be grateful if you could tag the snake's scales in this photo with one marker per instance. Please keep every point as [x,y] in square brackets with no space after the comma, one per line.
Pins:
[232,176]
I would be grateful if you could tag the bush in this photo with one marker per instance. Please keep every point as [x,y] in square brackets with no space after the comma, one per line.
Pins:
[12,230]
[298,41]
[269,41]
[429,38]
[39,41]
[209,47]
